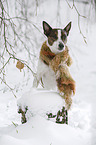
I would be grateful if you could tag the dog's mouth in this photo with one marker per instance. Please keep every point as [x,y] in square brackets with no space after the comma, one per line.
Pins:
[60,48]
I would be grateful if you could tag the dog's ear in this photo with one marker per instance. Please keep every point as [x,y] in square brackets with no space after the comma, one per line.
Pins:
[47,29]
[67,28]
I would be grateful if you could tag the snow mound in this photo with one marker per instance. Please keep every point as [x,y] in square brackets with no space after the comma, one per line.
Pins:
[41,102]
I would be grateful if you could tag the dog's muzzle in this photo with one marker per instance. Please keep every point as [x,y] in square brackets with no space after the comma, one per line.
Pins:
[60,46]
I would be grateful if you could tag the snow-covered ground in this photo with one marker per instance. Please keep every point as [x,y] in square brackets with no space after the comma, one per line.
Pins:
[41,130]
[81,129]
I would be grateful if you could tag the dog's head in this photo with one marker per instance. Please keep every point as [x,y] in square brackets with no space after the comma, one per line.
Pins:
[57,38]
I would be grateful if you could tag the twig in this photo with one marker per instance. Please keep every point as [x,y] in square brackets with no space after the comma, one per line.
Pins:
[80,30]
[34,74]
[8,86]
[5,64]
[79,15]
[13,57]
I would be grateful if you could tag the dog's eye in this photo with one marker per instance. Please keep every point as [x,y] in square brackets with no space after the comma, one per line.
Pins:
[54,37]
[63,37]
[50,40]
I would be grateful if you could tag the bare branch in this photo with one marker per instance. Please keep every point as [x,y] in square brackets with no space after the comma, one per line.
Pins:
[8,86]
[5,64]
[10,30]
[79,15]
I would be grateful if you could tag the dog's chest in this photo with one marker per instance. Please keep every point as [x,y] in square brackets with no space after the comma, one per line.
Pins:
[48,76]
[49,79]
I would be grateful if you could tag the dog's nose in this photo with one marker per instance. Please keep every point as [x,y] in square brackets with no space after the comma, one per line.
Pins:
[61,46]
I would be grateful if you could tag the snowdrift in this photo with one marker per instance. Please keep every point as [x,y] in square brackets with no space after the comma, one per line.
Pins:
[41,130]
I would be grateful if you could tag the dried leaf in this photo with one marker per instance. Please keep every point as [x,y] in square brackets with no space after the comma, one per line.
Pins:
[20,65]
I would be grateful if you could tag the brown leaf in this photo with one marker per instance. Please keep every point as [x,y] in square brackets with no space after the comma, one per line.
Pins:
[20,65]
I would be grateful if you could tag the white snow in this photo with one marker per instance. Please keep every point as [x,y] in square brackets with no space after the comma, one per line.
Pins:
[39,130]
[41,102]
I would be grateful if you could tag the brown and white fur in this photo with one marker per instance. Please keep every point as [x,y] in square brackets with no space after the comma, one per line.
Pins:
[54,61]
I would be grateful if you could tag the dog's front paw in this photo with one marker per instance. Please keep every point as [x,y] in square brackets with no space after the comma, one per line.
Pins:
[68,102]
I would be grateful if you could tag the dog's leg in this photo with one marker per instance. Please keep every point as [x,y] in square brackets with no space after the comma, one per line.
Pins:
[41,71]
[35,82]
[66,93]
[38,75]
[66,85]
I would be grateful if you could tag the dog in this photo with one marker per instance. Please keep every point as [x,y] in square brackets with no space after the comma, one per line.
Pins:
[54,61]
